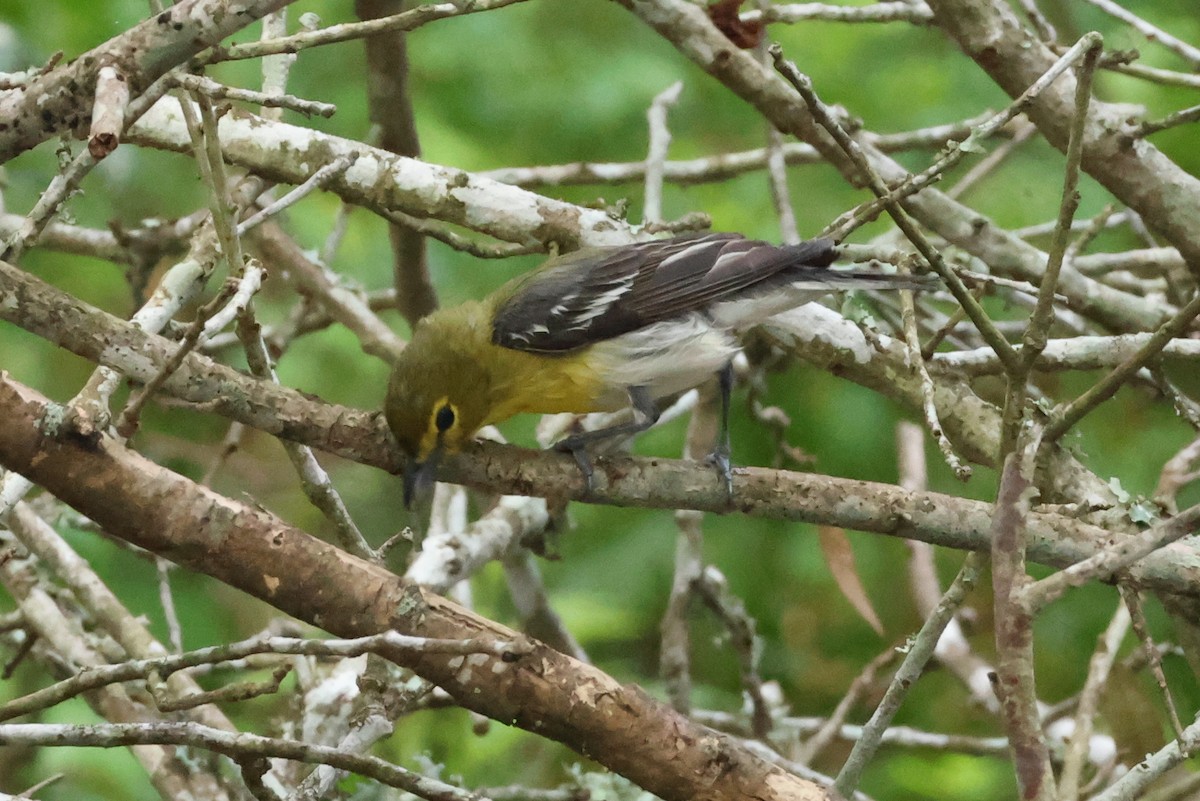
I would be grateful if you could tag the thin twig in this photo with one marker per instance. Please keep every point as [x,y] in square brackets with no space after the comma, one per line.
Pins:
[318,180]
[404,21]
[532,602]
[201,121]
[912,339]
[219,91]
[884,11]
[833,725]
[1181,48]
[1043,314]
[314,480]
[1150,652]
[952,321]
[1045,30]
[777,174]
[1037,332]
[993,160]
[1133,784]
[1181,117]
[245,287]
[920,649]
[722,166]
[1120,555]
[1089,697]
[236,745]
[674,661]
[1177,472]
[957,151]
[128,420]
[1065,417]
[100,676]
[781,196]
[497,250]
[167,601]
[656,155]
[341,303]
[674,658]
[1124,217]
[713,590]
[230,693]
[1157,75]
[987,328]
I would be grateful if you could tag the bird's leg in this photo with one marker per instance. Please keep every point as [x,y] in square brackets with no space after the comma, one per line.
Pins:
[645,414]
[719,457]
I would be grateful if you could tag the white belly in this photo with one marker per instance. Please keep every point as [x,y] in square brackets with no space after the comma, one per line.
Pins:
[665,357]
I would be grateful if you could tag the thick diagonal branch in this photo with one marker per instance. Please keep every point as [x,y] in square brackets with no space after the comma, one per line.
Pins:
[543,691]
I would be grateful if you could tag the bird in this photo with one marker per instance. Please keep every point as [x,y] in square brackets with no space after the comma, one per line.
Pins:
[597,330]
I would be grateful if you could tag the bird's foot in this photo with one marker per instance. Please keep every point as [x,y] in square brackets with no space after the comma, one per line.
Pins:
[579,453]
[719,458]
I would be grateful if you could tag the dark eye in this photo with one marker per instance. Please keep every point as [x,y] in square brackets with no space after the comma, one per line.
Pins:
[444,418]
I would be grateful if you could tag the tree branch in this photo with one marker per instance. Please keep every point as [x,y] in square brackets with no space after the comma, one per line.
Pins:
[648,482]
[543,690]
[61,99]
[383,181]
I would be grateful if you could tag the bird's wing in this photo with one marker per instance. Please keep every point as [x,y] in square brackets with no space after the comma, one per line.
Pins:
[591,295]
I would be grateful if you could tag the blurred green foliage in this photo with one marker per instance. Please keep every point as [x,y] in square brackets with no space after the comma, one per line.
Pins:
[562,81]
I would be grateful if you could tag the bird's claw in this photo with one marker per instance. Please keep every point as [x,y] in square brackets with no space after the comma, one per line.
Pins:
[719,458]
[582,460]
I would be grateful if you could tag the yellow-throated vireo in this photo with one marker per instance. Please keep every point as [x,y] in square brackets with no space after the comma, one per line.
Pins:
[597,330]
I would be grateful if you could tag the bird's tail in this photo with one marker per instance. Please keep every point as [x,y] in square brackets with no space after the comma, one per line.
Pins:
[830,280]
[804,283]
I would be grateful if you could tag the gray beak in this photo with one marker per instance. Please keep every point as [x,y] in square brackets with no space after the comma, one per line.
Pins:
[419,476]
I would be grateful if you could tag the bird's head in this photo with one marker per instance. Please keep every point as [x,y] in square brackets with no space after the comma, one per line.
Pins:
[436,401]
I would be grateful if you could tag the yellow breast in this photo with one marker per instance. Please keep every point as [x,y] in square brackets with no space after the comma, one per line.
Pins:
[547,384]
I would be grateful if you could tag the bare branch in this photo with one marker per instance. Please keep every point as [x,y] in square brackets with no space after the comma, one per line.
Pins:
[405,21]
[1152,32]
[61,98]
[238,746]
[918,653]
[219,91]
[385,181]
[1112,559]
[656,156]
[721,166]
[541,689]
[108,112]
[1014,681]
[895,11]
